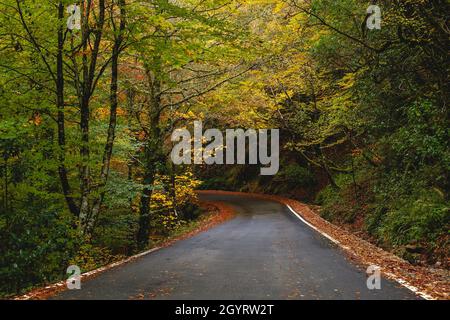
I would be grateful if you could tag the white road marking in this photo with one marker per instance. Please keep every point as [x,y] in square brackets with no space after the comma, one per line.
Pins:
[402,282]
[313,227]
[60,284]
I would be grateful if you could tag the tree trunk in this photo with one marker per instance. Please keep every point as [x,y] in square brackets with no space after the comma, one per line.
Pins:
[84,171]
[61,118]
[5,196]
[89,73]
[144,216]
[173,188]
[152,158]
[325,167]
[113,98]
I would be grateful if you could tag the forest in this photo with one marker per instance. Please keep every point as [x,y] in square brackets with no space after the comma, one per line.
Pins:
[92,90]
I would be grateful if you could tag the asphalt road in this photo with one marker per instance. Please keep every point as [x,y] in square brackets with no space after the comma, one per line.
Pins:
[265,252]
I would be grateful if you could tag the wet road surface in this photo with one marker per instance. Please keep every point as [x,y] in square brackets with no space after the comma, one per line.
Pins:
[265,252]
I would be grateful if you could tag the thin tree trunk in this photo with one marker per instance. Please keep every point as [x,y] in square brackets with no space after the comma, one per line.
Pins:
[61,118]
[107,153]
[173,188]
[89,69]
[152,156]
[5,168]
[325,168]
[131,160]
[85,170]
[152,159]
[144,216]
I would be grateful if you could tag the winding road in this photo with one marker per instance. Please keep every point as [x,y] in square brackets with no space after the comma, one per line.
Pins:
[265,252]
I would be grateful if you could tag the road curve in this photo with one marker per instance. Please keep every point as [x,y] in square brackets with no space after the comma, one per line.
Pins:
[265,252]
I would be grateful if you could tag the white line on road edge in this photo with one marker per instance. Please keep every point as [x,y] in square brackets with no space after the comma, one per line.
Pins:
[402,282]
[88,274]
[313,227]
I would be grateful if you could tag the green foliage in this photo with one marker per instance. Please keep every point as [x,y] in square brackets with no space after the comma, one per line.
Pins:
[363,115]
[37,242]
[423,139]
[295,175]
[397,118]
[116,231]
[419,218]
[339,206]
[54,151]
[395,212]
[191,211]
[221,182]
[89,257]
[37,235]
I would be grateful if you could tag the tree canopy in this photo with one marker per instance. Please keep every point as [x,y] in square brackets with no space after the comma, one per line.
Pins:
[87,108]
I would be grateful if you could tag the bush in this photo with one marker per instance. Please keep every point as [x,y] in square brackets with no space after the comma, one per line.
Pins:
[90,257]
[191,211]
[414,220]
[37,241]
[297,176]
[116,230]
[396,211]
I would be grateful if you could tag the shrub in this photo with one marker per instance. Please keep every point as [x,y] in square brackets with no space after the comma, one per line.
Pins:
[297,176]
[37,240]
